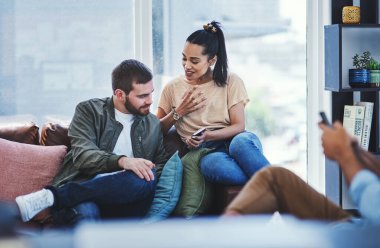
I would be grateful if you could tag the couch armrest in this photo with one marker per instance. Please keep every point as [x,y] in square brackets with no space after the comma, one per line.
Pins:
[53,134]
[22,133]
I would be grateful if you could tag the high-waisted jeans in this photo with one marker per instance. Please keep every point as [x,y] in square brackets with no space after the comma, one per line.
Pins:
[233,162]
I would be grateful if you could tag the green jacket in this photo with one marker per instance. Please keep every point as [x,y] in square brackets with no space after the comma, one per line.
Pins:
[93,133]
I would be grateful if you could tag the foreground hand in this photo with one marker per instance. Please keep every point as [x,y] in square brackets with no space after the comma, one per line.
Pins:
[192,100]
[336,142]
[141,167]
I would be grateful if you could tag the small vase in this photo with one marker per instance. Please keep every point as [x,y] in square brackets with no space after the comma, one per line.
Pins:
[374,78]
[359,77]
[351,15]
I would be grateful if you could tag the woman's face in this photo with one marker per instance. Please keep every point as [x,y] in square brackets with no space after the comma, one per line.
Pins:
[194,63]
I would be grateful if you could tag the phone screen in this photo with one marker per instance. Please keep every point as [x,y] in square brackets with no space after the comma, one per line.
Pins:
[199,132]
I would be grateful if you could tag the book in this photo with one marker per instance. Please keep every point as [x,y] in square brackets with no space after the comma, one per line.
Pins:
[353,120]
[368,112]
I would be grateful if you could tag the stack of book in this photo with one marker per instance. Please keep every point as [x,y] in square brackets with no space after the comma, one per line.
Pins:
[357,120]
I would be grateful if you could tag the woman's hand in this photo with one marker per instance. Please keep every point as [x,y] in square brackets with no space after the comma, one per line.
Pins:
[194,142]
[192,100]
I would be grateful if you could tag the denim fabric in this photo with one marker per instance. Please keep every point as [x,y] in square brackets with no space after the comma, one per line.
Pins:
[122,193]
[234,161]
[88,211]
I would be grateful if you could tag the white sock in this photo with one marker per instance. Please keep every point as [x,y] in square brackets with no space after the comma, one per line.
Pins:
[33,203]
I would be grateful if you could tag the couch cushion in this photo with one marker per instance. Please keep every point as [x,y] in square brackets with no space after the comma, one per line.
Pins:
[53,134]
[196,196]
[26,168]
[167,191]
[23,133]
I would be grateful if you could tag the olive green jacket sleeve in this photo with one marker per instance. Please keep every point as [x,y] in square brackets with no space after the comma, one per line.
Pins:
[85,136]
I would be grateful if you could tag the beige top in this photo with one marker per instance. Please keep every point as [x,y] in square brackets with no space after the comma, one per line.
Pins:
[219,100]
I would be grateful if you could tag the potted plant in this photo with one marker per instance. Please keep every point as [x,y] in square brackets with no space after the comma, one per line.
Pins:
[359,77]
[374,73]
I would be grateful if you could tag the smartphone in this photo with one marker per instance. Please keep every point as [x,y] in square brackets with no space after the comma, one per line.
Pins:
[199,132]
[324,118]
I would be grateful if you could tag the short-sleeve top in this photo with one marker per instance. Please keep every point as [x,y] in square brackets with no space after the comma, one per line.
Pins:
[215,114]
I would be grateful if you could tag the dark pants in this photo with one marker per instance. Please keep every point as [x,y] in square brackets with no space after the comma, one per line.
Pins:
[121,194]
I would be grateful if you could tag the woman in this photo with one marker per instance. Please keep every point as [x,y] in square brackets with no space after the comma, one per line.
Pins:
[208,96]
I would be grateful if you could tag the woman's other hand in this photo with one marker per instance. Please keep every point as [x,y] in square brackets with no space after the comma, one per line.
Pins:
[192,100]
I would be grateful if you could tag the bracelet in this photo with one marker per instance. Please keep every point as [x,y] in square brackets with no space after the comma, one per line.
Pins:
[176,116]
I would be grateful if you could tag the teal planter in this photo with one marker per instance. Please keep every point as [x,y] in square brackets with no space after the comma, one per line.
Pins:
[374,77]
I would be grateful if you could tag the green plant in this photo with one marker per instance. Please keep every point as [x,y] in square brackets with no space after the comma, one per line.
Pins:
[374,65]
[362,61]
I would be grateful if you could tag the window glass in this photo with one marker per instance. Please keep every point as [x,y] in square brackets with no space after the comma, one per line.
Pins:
[266,45]
[54,54]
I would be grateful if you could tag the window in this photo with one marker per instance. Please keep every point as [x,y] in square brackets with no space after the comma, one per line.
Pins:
[54,54]
[266,46]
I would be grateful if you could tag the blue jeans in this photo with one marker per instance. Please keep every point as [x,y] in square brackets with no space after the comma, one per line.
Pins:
[233,161]
[120,194]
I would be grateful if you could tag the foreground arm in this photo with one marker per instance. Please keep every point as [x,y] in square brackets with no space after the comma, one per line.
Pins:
[364,184]
[365,192]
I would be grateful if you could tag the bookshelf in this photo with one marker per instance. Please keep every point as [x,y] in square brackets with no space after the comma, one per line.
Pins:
[342,42]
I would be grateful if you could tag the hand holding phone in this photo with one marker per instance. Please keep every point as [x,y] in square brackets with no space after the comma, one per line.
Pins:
[199,132]
[324,119]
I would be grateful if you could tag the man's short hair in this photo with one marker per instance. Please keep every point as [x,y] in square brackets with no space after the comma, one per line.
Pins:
[128,72]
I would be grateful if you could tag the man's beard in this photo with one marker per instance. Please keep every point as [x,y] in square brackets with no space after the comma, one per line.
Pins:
[135,111]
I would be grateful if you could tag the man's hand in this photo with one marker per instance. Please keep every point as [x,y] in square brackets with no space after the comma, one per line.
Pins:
[141,167]
[336,142]
[338,146]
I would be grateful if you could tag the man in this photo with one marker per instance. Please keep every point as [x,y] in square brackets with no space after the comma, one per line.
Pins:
[277,189]
[116,156]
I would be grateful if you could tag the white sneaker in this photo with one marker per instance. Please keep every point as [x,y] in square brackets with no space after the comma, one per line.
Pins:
[33,203]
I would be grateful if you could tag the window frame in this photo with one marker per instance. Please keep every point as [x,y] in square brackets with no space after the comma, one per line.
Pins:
[317,98]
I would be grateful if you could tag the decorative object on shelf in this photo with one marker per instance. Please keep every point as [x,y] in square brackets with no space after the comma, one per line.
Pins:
[367,123]
[359,77]
[353,120]
[374,73]
[351,15]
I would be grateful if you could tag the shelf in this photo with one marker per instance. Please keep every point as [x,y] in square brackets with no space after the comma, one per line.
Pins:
[342,42]
[351,89]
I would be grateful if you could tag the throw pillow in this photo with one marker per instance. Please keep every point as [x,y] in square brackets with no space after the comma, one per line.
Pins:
[26,168]
[167,191]
[196,196]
